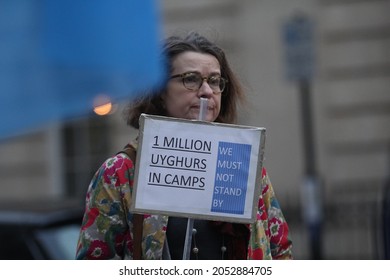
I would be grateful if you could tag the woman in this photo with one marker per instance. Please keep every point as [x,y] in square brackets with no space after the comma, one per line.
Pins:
[198,69]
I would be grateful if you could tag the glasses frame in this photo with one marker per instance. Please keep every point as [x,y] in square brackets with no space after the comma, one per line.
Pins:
[182,75]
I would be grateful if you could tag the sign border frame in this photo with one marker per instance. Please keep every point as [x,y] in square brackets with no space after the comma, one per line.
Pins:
[258,179]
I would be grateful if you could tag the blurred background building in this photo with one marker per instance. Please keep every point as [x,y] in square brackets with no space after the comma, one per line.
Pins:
[350,116]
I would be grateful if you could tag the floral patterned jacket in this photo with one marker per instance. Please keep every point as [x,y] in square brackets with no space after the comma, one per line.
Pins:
[106,230]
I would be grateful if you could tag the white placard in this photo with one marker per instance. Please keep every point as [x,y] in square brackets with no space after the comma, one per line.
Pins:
[197,169]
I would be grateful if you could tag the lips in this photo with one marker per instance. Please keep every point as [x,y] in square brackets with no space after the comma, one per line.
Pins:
[198,107]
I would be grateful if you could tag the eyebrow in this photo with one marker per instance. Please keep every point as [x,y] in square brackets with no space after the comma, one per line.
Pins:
[197,72]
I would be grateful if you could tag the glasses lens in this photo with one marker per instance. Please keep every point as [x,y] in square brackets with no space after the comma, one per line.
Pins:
[216,83]
[192,81]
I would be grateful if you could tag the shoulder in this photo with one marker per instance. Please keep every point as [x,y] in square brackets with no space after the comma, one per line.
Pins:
[117,169]
[265,181]
[120,161]
[263,172]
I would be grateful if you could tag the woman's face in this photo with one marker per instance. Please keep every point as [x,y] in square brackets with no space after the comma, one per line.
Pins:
[181,102]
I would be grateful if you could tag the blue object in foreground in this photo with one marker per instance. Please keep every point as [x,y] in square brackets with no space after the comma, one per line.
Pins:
[56,57]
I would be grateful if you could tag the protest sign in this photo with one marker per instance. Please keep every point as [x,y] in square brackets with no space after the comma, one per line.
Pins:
[198,169]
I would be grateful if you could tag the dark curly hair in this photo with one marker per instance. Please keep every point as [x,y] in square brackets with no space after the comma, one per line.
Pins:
[151,102]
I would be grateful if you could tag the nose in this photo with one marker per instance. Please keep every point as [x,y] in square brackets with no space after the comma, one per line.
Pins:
[205,90]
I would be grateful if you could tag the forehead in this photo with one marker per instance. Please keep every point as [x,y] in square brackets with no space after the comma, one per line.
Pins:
[194,61]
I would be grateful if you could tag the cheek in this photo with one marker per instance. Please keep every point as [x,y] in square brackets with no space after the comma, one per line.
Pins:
[175,106]
[218,105]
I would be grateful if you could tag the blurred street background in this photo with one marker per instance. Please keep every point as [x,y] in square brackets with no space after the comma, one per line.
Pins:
[317,75]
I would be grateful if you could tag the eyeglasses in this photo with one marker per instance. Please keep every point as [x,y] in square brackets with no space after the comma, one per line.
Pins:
[194,80]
